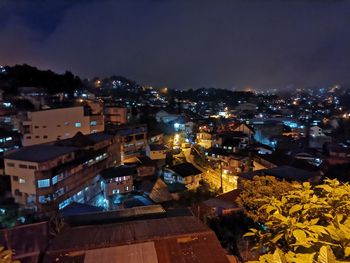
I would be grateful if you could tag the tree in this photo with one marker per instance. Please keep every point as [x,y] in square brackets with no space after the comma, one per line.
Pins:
[306,219]
[255,194]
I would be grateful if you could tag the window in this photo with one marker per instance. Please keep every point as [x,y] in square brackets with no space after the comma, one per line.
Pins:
[126,188]
[93,123]
[10,164]
[22,181]
[66,123]
[77,124]
[28,137]
[23,166]
[58,125]
[45,136]
[33,167]
[17,192]
[43,183]
[42,199]
[54,179]
[44,126]
[15,178]
[36,127]
[37,137]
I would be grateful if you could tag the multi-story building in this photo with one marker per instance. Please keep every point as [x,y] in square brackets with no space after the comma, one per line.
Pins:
[50,176]
[58,124]
[115,115]
[133,139]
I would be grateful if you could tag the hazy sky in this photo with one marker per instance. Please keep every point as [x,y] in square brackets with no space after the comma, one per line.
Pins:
[183,43]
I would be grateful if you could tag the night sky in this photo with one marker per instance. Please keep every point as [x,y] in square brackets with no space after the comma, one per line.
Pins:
[183,43]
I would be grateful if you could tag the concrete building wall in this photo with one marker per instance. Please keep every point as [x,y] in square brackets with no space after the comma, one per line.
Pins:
[22,176]
[58,124]
[116,115]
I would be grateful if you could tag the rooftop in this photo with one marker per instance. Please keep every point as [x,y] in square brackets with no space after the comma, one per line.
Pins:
[157,147]
[185,169]
[164,240]
[282,172]
[119,171]
[40,153]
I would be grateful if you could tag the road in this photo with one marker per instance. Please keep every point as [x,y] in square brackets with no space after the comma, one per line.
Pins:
[210,175]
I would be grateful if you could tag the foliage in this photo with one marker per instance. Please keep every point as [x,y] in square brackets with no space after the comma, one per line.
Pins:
[203,192]
[28,76]
[257,192]
[305,219]
[324,255]
[6,256]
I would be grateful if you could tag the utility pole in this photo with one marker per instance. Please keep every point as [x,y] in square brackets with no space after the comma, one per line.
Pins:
[221,186]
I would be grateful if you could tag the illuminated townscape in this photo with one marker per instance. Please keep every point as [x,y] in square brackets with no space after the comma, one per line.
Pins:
[119,159]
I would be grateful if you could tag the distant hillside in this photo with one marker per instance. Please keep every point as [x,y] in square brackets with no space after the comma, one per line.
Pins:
[27,76]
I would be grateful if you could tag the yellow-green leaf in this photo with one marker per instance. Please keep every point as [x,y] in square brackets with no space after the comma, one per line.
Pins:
[326,255]
[295,208]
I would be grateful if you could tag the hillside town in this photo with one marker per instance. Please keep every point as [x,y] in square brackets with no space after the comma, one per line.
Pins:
[113,151]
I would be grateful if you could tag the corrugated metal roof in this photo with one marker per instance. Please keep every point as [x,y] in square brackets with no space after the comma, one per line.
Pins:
[173,240]
[135,253]
[97,236]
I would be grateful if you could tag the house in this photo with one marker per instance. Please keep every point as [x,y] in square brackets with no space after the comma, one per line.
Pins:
[184,173]
[118,180]
[233,141]
[9,141]
[163,116]
[59,124]
[133,139]
[50,176]
[156,151]
[115,115]
[244,128]
[207,139]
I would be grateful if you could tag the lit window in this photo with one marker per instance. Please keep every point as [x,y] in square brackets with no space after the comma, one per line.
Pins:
[93,123]
[66,123]
[22,181]
[43,183]
[54,180]
[78,124]
[126,188]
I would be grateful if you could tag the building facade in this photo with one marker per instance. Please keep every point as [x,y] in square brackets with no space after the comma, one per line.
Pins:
[59,124]
[51,176]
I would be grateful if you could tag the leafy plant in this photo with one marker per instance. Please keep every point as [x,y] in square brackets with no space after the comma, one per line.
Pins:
[306,219]
[324,255]
[6,256]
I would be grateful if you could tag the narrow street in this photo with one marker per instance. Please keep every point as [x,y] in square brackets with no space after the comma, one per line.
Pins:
[210,175]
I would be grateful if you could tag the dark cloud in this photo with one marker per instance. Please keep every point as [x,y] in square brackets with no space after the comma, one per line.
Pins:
[184,43]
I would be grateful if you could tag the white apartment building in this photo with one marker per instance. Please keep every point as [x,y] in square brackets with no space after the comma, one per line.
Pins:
[58,124]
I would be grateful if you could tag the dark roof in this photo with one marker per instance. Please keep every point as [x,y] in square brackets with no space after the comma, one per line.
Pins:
[280,159]
[99,137]
[185,169]
[78,209]
[233,134]
[176,187]
[40,153]
[81,140]
[286,172]
[119,171]
[157,147]
[172,239]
